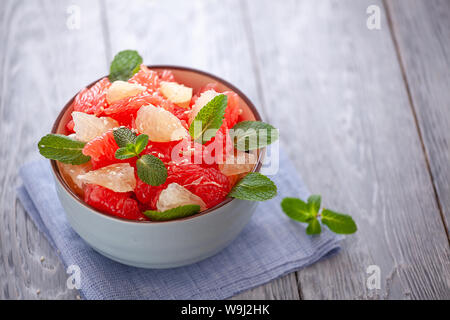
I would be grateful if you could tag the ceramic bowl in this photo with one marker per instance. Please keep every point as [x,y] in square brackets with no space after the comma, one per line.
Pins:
[164,244]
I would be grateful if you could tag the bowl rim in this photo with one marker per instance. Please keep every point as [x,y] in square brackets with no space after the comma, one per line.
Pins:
[63,183]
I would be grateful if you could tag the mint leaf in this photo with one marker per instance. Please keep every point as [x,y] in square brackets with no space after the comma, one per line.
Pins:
[250,135]
[151,170]
[62,148]
[124,136]
[209,119]
[314,203]
[338,222]
[175,213]
[297,209]
[131,148]
[314,227]
[124,153]
[141,143]
[308,212]
[125,64]
[254,187]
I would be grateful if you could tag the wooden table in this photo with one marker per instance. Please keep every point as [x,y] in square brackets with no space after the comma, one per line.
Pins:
[364,113]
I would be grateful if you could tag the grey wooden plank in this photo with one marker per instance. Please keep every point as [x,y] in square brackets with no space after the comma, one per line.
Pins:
[208,35]
[336,90]
[421,30]
[42,64]
[284,288]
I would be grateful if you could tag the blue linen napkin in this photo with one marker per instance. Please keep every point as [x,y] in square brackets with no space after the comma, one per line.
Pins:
[269,247]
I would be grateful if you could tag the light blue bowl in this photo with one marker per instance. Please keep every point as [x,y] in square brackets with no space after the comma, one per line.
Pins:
[164,244]
[157,244]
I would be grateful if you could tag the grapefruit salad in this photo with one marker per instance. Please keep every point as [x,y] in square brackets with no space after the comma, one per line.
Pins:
[141,146]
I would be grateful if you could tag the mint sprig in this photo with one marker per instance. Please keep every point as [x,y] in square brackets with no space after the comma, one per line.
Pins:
[150,169]
[309,212]
[130,144]
[314,227]
[254,187]
[62,148]
[124,65]
[251,135]
[314,202]
[175,213]
[209,119]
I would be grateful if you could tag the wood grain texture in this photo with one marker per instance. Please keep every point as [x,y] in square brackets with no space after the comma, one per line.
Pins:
[422,32]
[336,90]
[42,64]
[195,34]
[314,69]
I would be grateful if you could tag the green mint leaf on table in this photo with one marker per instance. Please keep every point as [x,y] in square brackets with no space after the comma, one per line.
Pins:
[314,227]
[309,211]
[175,213]
[251,135]
[141,143]
[125,64]
[254,187]
[314,203]
[297,209]
[125,153]
[151,170]
[209,119]
[124,136]
[62,148]
[338,222]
